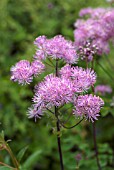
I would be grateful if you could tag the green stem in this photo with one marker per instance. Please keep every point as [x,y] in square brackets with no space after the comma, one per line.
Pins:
[58,126]
[14,160]
[5,146]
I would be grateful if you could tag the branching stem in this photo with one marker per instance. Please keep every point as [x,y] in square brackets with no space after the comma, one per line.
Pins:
[70,127]
[1,163]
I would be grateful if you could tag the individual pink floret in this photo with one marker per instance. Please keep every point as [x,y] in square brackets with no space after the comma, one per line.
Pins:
[33,112]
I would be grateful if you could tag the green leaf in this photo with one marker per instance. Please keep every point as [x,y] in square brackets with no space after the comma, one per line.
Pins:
[21,153]
[2,135]
[32,160]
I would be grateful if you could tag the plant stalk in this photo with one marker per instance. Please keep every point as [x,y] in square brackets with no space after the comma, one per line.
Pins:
[58,126]
[95,146]
[94,133]
[59,140]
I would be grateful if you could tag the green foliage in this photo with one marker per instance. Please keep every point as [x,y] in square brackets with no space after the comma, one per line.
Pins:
[32,159]
[21,153]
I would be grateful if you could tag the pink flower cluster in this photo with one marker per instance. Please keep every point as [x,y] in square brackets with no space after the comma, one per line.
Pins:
[64,88]
[103,89]
[81,78]
[88,106]
[57,91]
[99,27]
[23,71]
[56,47]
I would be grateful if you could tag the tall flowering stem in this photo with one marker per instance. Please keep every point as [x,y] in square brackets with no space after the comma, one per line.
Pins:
[94,133]
[58,126]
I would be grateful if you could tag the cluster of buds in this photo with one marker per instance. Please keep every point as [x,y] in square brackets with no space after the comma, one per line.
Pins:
[87,51]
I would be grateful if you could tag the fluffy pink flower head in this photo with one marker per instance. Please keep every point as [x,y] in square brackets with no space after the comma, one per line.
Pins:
[93,30]
[88,106]
[22,72]
[56,47]
[81,78]
[53,91]
[103,89]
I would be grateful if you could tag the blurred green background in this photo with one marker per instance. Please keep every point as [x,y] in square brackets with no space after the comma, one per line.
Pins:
[21,21]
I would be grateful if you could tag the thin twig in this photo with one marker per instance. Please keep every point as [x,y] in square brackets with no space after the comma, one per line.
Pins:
[51,61]
[67,118]
[50,110]
[71,126]
[48,64]
[8,166]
